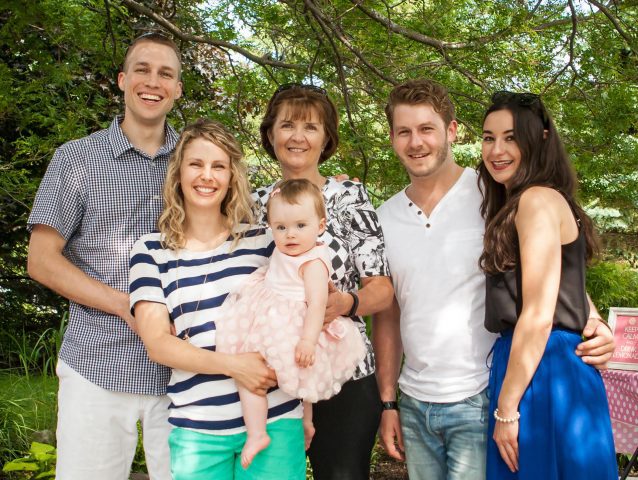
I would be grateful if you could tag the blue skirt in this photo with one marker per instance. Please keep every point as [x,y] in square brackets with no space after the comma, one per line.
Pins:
[564,429]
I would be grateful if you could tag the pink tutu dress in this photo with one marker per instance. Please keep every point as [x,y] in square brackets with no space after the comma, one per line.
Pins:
[266,315]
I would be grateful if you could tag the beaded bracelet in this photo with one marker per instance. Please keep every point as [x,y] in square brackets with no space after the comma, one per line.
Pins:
[506,420]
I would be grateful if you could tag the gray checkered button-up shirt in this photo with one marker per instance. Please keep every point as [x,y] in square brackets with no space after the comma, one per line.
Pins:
[101,194]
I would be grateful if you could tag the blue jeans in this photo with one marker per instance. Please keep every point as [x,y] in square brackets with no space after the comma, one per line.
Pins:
[445,441]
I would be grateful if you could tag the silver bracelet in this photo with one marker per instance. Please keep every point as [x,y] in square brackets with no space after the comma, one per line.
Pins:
[506,420]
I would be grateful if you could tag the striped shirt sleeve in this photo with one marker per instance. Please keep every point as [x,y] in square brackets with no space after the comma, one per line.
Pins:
[145,281]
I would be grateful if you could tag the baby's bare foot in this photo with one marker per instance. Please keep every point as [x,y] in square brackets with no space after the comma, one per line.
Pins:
[254,444]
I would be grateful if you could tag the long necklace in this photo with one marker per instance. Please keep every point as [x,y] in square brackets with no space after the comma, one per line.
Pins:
[224,235]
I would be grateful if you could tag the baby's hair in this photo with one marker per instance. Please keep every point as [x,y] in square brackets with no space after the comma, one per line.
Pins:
[291,191]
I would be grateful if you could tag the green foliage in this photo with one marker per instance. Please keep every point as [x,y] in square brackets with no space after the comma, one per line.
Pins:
[40,463]
[27,405]
[606,218]
[59,61]
[57,85]
[35,352]
[139,461]
[28,411]
[612,284]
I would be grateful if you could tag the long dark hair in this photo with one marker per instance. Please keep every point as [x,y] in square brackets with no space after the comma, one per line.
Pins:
[544,162]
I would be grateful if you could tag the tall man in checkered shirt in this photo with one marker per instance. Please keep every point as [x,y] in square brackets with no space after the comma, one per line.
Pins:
[99,194]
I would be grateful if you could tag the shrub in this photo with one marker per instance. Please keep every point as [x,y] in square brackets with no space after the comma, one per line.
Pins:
[612,284]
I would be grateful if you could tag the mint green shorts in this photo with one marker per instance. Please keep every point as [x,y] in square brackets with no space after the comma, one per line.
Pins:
[202,456]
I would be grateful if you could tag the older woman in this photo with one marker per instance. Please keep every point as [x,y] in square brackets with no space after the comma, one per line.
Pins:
[180,276]
[299,130]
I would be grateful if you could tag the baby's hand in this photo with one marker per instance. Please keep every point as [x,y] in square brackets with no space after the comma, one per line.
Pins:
[305,353]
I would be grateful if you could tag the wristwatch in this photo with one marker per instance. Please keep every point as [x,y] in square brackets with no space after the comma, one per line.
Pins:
[389,405]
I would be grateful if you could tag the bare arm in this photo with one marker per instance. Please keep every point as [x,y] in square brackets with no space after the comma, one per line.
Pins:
[376,294]
[163,347]
[315,279]
[538,224]
[388,350]
[47,265]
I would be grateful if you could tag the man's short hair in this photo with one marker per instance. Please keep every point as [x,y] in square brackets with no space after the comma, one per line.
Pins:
[152,37]
[421,92]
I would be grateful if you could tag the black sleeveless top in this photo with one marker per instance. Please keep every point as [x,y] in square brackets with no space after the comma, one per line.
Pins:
[503,304]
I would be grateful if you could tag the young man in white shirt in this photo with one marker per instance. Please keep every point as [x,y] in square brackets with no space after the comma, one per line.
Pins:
[434,236]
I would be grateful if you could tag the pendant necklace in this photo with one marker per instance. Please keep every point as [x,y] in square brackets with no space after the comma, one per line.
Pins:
[223,235]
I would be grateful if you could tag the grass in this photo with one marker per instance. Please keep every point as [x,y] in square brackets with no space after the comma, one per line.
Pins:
[27,405]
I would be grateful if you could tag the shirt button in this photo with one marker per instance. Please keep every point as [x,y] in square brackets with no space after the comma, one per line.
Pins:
[427,225]
[419,212]
[411,204]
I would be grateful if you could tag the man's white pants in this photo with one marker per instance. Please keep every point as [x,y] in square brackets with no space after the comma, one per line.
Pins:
[97,430]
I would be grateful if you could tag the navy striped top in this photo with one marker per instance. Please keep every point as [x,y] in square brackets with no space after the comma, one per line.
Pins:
[193,285]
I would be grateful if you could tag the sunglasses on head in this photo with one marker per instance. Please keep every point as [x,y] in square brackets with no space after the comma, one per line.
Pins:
[525,99]
[304,86]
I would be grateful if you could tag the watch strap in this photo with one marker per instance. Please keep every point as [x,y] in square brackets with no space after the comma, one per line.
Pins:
[389,405]
[355,304]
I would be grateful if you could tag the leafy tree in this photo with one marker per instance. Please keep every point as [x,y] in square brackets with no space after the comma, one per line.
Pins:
[59,60]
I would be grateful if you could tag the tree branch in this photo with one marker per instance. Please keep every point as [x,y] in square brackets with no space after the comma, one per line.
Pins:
[175,30]
[342,80]
[411,34]
[109,29]
[440,45]
[572,37]
[342,38]
[615,23]
[424,39]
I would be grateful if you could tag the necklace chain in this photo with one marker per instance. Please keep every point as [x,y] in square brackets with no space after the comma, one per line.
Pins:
[224,235]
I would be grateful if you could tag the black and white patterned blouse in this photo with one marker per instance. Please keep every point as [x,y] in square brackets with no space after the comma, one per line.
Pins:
[355,239]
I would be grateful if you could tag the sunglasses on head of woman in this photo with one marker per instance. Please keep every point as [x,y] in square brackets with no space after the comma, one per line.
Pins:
[524,99]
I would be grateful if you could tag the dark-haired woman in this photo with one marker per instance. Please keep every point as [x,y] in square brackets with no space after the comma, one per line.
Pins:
[299,130]
[550,418]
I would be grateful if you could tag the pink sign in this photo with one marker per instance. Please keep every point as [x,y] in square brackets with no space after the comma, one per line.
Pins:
[624,322]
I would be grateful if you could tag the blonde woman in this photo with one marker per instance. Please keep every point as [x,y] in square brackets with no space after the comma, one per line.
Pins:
[179,278]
